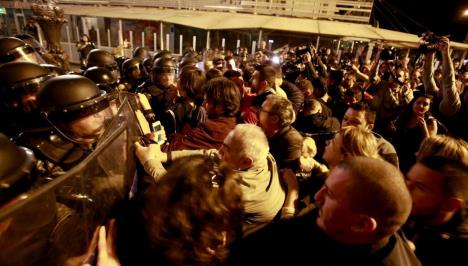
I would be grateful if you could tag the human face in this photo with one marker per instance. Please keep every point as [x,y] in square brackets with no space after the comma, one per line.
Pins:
[335,216]
[229,152]
[164,79]
[255,82]
[426,188]
[333,154]
[88,129]
[421,106]
[264,116]
[355,118]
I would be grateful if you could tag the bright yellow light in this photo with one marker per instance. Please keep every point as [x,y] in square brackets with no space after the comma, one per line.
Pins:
[465,13]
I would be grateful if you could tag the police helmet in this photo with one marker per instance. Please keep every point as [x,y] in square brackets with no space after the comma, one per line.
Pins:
[14,49]
[163,65]
[141,52]
[188,61]
[129,65]
[102,77]
[16,166]
[162,54]
[102,58]
[18,79]
[69,97]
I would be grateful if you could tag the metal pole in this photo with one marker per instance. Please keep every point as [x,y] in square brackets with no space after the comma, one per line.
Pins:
[77,35]
[208,40]
[69,41]
[143,43]
[167,42]
[130,33]
[194,43]
[120,32]
[161,38]
[238,46]
[98,36]
[254,44]
[260,33]
[369,51]
[317,43]
[108,38]
[181,39]
[155,42]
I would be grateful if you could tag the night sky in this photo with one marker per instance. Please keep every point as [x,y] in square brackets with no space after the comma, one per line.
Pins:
[445,18]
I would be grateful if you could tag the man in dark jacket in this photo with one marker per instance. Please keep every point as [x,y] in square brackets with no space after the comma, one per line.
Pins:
[356,223]
[439,222]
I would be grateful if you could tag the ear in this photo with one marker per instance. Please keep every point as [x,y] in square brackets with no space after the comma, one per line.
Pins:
[364,224]
[452,204]
[246,162]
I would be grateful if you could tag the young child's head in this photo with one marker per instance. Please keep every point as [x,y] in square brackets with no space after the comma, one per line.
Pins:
[309,149]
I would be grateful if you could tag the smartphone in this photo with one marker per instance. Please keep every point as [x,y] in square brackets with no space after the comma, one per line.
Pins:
[158,132]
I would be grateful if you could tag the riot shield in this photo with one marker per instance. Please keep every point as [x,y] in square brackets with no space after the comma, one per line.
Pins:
[53,223]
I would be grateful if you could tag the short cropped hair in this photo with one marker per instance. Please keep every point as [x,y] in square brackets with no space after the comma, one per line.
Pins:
[378,190]
[363,107]
[283,108]
[455,175]
[266,73]
[224,92]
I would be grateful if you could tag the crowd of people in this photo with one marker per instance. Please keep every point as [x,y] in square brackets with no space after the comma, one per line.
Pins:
[319,159]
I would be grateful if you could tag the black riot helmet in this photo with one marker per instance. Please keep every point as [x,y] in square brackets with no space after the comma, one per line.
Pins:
[75,106]
[14,49]
[19,83]
[16,166]
[129,65]
[164,65]
[141,53]
[188,61]
[102,77]
[31,41]
[163,72]
[147,65]
[162,54]
[103,58]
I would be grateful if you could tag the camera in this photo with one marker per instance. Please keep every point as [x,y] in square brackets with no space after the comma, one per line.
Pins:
[388,54]
[346,64]
[301,51]
[429,42]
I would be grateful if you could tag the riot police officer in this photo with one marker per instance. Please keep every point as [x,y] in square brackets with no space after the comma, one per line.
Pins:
[160,88]
[102,77]
[132,72]
[19,83]
[75,107]
[103,58]
[14,49]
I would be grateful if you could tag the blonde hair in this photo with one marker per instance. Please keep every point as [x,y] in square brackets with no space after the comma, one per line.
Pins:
[444,146]
[358,142]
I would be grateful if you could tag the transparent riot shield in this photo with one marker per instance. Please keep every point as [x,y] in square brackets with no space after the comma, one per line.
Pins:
[53,223]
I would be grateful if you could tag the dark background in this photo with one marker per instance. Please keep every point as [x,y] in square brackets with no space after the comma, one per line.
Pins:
[417,16]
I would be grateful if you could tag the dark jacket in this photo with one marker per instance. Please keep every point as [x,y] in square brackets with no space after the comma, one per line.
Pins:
[286,148]
[299,241]
[441,245]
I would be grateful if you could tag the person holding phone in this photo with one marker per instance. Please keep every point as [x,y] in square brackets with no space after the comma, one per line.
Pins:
[414,125]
